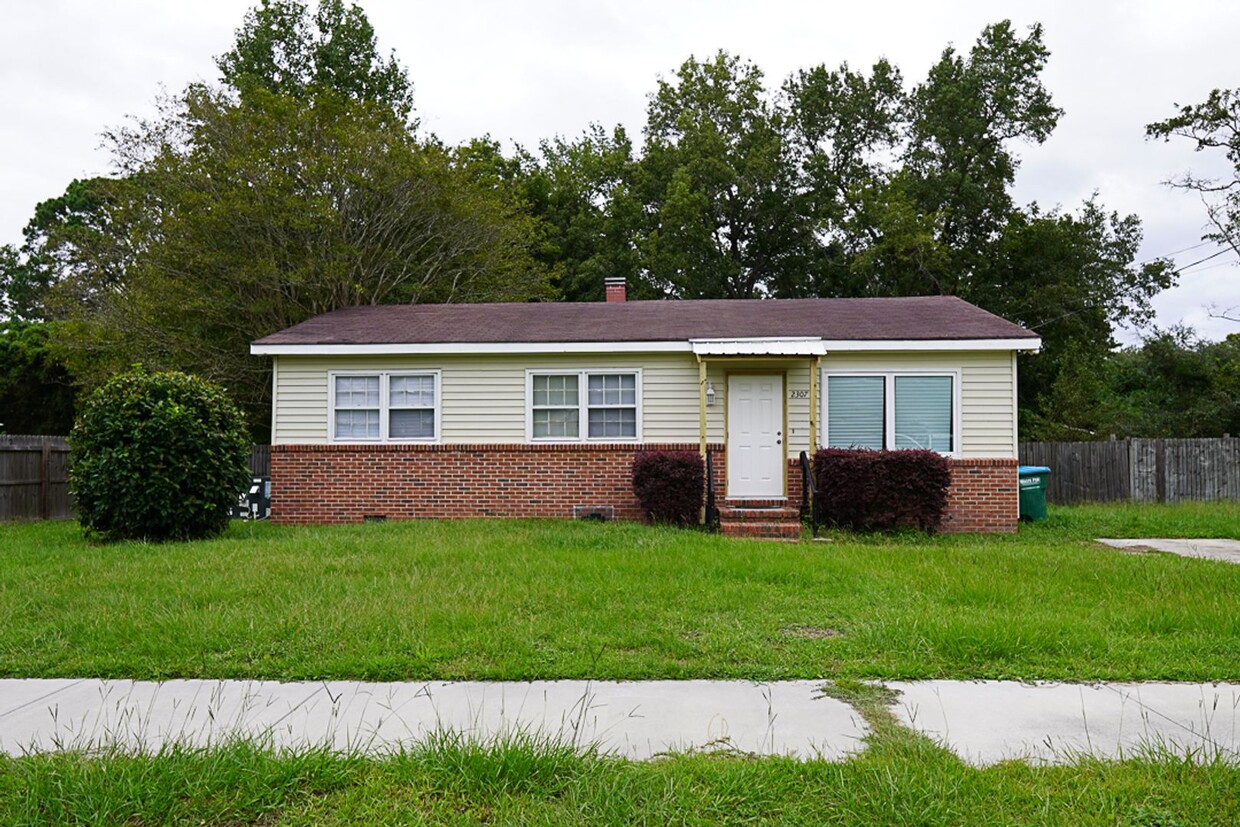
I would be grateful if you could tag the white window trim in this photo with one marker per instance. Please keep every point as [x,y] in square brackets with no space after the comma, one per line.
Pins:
[889,403]
[385,377]
[583,404]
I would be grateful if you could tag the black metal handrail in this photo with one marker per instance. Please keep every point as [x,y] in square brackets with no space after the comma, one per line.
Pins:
[712,512]
[809,493]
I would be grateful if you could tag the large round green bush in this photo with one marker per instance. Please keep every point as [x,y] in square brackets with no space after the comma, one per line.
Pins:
[157,456]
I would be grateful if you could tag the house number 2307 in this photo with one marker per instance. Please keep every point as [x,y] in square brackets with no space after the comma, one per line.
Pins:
[798,394]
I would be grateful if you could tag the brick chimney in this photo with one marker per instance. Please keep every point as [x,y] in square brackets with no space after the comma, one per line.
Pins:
[615,289]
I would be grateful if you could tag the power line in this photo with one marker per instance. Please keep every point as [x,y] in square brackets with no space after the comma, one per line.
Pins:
[1177,252]
[1216,254]
[1211,267]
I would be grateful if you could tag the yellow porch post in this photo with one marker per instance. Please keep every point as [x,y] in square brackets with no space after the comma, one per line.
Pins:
[702,425]
[815,406]
[702,407]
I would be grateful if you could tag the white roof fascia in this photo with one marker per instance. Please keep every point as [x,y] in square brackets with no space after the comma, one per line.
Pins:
[853,345]
[784,346]
[433,348]
[772,346]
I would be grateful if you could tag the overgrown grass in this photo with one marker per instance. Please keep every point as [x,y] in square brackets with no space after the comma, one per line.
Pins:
[521,600]
[900,779]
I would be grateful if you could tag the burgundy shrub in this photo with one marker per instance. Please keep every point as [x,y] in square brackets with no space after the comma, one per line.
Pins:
[669,485]
[881,490]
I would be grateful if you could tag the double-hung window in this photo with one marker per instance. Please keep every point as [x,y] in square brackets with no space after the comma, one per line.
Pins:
[571,406]
[556,407]
[891,411]
[385,407]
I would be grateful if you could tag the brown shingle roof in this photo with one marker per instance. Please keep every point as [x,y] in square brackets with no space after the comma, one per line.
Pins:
[921,317]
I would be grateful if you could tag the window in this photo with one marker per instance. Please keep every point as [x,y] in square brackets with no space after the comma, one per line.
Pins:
[411,407]
[556,407]
[856,411]
[924,413]
[385,407]
[573,405]
[357,407]
[612,406]
[891,411]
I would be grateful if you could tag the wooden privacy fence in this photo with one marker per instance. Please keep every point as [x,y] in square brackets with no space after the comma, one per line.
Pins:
[1140,470]
[34,478]
[260,461]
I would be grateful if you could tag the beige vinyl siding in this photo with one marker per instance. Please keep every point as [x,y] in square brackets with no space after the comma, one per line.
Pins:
[987,392]
[483,396]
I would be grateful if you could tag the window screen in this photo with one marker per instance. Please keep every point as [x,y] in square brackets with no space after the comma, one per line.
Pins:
[855,413]
[923,413]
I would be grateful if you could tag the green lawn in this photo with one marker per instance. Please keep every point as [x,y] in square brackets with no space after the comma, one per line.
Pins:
[517,600]
[538,599]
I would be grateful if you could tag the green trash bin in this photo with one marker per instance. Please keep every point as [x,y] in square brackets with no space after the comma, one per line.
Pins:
[1033,479]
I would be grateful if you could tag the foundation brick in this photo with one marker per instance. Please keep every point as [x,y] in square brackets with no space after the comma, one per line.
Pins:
[320,484]
[315,484]
[984,496]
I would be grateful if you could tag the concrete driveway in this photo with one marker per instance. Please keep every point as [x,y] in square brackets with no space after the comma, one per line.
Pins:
[1228,551]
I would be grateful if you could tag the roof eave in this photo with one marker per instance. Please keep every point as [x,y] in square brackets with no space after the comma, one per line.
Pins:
[260,348]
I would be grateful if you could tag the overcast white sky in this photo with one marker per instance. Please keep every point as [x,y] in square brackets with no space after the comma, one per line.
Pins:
[522,71]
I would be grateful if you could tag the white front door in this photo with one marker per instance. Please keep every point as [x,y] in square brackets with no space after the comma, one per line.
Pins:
[756,436]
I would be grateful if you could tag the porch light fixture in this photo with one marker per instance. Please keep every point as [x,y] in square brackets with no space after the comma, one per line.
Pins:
[710,394]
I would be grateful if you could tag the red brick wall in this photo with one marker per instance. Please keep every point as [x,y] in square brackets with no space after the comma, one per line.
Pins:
[984,496]
[347,483]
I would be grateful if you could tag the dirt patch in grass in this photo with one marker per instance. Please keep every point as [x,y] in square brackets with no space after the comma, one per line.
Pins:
[1136,549]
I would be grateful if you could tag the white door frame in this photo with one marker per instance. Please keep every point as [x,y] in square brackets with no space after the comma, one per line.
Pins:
[768,479]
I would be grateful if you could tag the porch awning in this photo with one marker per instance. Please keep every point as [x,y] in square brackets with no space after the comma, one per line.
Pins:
[763,346]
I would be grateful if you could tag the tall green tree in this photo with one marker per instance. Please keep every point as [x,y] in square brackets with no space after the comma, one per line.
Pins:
[68,236]
[1071,278]
[583,193]
[36,392]
[844,130]
[1174,384]
[960,162]
[1213,127]
[847,183]
[285,49]
[723,217]
[255,215]
[17,285]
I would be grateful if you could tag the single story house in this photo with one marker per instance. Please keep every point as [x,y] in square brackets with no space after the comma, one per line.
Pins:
[538,409]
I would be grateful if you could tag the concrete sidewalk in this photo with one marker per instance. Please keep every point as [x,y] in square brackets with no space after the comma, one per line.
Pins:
[982,721]
[989,721]
[635,719]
